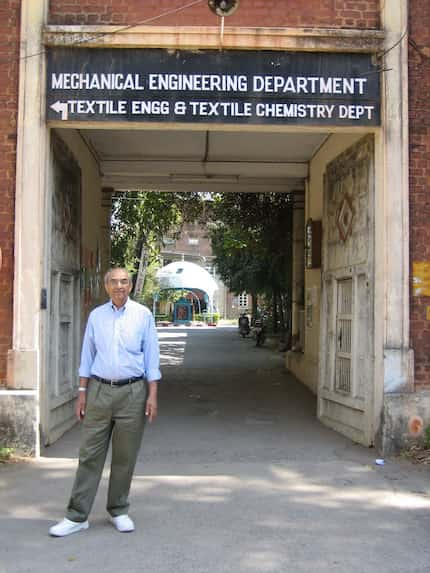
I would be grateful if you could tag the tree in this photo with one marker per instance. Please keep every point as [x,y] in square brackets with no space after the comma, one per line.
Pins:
[139,221]
[252,242]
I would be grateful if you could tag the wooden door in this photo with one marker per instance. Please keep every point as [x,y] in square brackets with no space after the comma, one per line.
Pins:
[345,394]
[63,319]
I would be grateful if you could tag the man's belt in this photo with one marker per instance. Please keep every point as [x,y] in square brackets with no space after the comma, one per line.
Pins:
[121,382]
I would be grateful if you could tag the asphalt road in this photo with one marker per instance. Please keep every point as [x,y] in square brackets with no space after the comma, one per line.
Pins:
[236,476]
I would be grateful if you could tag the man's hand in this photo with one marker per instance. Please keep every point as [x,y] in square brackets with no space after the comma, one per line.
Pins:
[80,407]
[151,403]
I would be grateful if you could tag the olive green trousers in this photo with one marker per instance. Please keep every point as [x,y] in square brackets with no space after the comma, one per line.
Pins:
[117,414]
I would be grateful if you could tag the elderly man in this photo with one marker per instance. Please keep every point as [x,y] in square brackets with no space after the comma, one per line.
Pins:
[118,373]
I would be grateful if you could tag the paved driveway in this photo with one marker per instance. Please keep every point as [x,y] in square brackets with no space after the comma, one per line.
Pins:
[236,476]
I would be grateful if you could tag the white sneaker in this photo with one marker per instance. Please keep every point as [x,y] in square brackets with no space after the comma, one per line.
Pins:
[122,523]
[66,527]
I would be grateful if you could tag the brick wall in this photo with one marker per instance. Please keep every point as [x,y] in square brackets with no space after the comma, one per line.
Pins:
[193,232]
[294,13]
[9,65]
[419,153]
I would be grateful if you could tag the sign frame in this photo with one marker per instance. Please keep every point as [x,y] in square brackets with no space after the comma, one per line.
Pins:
[230,87]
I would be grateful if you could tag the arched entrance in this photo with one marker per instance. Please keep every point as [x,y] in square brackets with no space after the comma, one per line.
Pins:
[218,147]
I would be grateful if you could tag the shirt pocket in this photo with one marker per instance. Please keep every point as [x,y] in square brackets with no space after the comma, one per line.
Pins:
[131,337]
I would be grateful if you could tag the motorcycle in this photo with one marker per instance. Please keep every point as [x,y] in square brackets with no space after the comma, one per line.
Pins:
[259,332]
[244,329]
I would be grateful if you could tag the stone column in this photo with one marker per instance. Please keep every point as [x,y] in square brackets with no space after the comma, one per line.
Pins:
[24,360]
[392,212]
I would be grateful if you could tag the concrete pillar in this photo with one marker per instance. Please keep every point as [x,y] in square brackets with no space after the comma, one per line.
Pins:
[24,360]
[396,176]
[392,215]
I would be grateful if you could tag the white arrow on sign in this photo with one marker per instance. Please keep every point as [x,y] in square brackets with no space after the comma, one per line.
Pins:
[60,107]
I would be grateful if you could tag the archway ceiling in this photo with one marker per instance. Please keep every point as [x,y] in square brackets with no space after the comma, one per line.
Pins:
[206,161]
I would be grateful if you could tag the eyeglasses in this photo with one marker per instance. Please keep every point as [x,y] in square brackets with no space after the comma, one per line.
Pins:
[121,282]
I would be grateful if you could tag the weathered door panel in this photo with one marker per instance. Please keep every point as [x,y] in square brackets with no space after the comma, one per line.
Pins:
[345,396]
[63,324]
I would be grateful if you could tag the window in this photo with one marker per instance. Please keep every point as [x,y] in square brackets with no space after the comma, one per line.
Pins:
[243,300]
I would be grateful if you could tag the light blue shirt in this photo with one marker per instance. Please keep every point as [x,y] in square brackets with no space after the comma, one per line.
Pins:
[120,343]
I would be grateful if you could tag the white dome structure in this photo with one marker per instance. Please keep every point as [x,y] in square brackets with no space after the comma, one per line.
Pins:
[187,276]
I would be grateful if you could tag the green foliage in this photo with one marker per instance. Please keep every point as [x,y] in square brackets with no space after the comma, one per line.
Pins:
[171,295]
[252,241]
[151,284]
[142,218]
[162,317]
[427,437]
[5,453]
[212,318]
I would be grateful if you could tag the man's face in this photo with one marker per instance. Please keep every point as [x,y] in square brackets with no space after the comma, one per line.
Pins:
[118,287]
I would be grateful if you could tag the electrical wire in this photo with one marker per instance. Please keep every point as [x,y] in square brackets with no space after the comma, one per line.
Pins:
[180,9]
[399,41]
[415,46]
[123,28]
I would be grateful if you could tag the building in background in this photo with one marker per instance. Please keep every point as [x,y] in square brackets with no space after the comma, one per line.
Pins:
[192,244]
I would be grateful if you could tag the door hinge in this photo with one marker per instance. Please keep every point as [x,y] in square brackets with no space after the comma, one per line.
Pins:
[43,299]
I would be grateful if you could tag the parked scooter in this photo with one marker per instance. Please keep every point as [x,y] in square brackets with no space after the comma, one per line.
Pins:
[259,331]
[244,328]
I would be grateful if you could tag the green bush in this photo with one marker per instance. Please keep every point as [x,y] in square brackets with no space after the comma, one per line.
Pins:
[427,437]
[5,453]
[161,317]
[212,318]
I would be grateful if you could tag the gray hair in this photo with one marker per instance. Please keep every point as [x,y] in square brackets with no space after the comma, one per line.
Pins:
[110,271]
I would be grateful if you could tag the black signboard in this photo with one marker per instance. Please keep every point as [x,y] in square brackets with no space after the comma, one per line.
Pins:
[235,87]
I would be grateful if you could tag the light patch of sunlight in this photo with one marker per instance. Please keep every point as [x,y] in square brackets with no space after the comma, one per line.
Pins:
[27,513]
[319,500]
[60,463]
[163,335]
[284,474]
[216,489]
[377,498]
[307,488]
[332,496]
[172,352]
[195,496]
[171,360]
[213,485]
[213,489]
[260,561]
[266,485]
[276,524]
[221,481]
[55,474]
[361,469]
[407,501]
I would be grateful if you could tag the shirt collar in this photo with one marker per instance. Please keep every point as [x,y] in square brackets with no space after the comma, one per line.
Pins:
[122,309]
